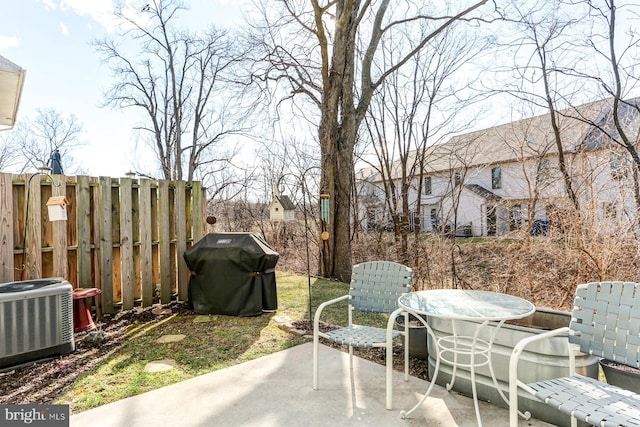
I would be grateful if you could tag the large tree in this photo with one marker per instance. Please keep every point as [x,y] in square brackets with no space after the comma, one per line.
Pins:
[329,51]
[543,45]
[180,83]
[30,144]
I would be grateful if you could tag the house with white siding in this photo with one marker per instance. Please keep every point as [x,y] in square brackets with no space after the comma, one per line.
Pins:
[507,178]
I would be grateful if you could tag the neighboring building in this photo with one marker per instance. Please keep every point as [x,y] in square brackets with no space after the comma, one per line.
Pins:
[492,181]
[281,207]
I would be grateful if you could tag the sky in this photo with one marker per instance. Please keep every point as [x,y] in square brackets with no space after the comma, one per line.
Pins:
[51,39]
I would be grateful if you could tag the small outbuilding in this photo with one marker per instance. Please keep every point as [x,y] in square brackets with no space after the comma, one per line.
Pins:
[282,208]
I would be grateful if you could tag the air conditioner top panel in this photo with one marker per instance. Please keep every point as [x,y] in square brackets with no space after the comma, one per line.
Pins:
[34,287]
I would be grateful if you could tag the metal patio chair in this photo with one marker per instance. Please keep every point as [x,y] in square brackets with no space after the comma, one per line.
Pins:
[375,287]
[605,322]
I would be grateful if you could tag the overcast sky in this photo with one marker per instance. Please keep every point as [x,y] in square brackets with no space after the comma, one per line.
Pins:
[51,40]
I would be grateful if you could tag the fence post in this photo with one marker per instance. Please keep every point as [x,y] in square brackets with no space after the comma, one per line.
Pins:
[164,237]
[197,222]
[7,263]
[33,223]
[104,244]
[146,250]
[126,244]
[59,228]
[181,239]
[83,218]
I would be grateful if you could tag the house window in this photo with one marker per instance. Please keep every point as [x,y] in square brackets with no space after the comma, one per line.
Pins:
[610,211]
[457,178]
[516,218]
[618,165]
[427,185]
[492,221]
[496,178]
[544,171]
[371,219]
[433,214]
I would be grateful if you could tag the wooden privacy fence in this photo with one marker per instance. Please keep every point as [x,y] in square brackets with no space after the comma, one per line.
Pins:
[124,236]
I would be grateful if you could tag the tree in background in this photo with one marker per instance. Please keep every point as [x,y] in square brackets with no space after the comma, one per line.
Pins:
[615,41]
[30,144]
[415,109]
[330,51]
[181,84]
[542,52]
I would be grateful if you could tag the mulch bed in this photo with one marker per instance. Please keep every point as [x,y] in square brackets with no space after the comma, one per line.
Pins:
[43,382]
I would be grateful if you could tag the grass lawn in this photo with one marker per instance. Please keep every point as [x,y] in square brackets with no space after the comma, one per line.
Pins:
[208,346]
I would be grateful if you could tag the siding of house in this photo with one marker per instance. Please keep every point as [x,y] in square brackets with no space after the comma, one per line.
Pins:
[527,156]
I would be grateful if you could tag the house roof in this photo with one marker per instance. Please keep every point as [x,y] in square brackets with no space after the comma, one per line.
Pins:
[11,82]
[518,140]
[286,202]
[482,192]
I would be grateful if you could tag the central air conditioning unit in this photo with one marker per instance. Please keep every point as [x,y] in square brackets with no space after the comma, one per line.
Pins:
[36,320]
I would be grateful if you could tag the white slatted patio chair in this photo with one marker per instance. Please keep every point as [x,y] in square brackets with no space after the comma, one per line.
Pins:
[605,322]
[375,287]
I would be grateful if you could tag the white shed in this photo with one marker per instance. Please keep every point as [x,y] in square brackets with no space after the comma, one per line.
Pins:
[281,208]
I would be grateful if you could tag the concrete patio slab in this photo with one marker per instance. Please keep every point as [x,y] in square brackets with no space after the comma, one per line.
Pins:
[276,391]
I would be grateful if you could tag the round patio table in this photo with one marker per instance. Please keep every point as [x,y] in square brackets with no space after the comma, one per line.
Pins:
[464,351]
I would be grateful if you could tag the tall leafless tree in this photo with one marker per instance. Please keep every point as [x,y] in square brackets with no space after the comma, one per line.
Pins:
[414,109]
[328,51]
[180,83]
[30,144]
[544,34]
[615,43]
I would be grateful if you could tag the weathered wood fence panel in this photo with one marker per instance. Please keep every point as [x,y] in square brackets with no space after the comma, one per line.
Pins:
[124,236]
[60,238]
[6,229]
[164,245]
[104,241]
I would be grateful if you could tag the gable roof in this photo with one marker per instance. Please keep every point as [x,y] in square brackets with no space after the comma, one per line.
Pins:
[285,201]
[522,139]
[482,192]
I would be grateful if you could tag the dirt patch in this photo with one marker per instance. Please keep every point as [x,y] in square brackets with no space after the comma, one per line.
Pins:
[44,381]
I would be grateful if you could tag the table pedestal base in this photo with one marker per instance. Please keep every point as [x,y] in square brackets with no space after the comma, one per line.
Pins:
[475,353]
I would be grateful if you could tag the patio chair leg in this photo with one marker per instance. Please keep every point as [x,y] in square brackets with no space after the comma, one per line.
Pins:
[406,349]
[351,357]
[389,385]
[316,348]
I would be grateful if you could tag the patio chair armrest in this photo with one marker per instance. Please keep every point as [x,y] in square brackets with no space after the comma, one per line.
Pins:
[321,307]
[514,382]
[517,349]
[391,322]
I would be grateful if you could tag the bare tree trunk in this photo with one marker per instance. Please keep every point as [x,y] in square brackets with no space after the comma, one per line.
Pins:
[326,73]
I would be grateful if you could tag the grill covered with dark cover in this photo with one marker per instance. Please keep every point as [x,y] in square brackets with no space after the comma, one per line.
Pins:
[232,274]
